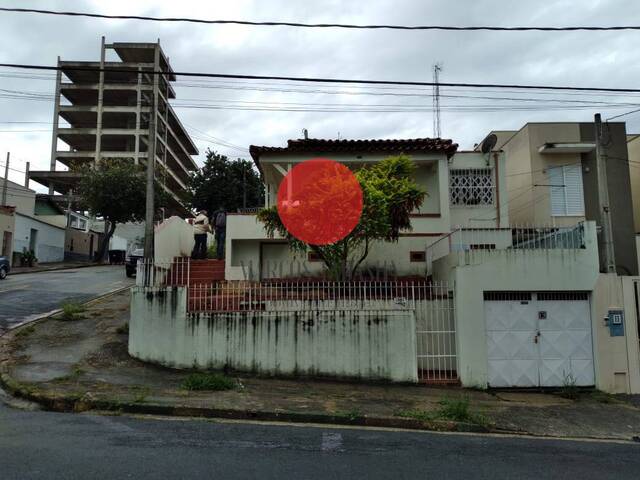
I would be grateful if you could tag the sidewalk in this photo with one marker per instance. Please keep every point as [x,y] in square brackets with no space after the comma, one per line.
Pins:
[83,364]
[47,267]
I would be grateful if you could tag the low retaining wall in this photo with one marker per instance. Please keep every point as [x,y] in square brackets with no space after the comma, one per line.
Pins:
[375,345]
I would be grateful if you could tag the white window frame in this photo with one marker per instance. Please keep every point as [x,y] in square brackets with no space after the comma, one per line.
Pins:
[486,171]
[561,176]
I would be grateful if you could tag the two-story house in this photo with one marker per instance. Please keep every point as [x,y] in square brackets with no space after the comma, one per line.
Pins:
[463,189]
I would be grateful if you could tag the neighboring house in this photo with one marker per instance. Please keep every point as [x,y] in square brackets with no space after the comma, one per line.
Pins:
[30,232]
[633,148]
[551,179]
[463,189]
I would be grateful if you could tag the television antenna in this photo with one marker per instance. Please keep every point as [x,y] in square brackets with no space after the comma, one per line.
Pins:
[437,68]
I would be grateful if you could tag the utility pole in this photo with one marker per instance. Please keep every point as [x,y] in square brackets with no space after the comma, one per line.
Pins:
[602,140]
[6,180]
[244,186]
[437,68]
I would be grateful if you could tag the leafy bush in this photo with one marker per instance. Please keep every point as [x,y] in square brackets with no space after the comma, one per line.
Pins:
[208,381]
[72,311]
[456,409]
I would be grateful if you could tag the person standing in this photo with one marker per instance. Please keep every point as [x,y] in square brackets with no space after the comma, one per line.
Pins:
[200,229]
[220,224]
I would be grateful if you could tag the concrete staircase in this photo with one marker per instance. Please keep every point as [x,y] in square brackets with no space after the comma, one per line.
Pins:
[206,272]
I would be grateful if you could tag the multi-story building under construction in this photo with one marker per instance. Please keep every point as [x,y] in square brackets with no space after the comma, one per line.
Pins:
[118,109]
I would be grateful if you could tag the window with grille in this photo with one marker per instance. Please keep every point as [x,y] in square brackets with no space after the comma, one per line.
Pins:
[472,186]
[567,198]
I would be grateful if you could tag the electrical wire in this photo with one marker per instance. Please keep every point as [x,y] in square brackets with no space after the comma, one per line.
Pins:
[318,25]
[319,79]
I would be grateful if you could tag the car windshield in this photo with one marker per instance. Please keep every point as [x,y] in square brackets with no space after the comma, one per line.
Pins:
[138,252]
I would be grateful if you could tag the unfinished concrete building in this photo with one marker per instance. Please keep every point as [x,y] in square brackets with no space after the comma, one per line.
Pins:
[118,108]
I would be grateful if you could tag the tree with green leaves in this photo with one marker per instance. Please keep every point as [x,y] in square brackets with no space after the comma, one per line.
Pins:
[116,191]
[225,183]
[390,194]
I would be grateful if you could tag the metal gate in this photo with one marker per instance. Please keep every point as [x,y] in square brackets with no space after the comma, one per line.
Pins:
[435,333]
[538,339]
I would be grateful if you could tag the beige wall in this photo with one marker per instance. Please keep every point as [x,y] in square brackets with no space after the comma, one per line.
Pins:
[20,197]
[633,148]
[7,224]
[78,243]
[526,167]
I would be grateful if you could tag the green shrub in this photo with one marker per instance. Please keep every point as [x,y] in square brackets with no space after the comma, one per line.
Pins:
[208,381]
[212,251]
[72,311]
[456,409]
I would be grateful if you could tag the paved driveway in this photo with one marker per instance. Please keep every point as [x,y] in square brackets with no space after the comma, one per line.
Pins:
[28,295]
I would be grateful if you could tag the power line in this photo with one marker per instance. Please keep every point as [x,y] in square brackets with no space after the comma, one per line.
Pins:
[319,25]
[623,114]
[321,80]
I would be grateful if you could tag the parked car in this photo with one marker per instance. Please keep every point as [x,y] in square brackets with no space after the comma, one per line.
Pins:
[4,267]
[131,261]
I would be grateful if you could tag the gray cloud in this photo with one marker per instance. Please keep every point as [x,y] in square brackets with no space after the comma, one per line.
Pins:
[573,58]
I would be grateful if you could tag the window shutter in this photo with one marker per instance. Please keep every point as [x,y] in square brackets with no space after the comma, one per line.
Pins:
[558,204]
[573,190]
[567,200]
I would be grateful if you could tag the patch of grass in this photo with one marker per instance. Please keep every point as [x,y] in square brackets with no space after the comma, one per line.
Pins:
[141,394]
[72,311]
[26,331]
[569,387]
[124,328]
[603,397]
[453,409]
[456,409]
[208,381]
[349,414]
[421,415]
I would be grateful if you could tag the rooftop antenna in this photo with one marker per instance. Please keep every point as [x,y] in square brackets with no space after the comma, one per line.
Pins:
[437,68]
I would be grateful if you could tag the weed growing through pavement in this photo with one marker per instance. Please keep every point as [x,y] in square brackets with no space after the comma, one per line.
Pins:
[72,311]
[208,381]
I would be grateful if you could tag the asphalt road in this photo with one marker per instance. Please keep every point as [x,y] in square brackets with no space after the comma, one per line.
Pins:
[39,445]
[28,295]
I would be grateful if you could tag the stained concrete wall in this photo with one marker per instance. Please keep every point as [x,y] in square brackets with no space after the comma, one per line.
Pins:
[355,344]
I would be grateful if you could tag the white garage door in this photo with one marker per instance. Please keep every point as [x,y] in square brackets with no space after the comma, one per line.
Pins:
[538,339]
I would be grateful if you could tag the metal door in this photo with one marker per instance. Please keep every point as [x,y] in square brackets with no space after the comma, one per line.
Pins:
[538,339]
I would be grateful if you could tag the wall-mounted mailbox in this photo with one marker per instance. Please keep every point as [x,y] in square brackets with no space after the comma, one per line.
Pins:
[615,321]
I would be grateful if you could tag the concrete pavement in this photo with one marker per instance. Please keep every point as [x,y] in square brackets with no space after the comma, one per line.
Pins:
[28,295]
[47,445]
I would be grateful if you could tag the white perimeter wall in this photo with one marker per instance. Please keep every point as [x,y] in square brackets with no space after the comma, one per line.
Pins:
[355,344]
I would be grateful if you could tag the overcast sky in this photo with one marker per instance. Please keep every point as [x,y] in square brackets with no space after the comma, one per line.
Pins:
[610,59]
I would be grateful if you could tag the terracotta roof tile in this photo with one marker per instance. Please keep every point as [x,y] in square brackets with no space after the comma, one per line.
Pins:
[395,146]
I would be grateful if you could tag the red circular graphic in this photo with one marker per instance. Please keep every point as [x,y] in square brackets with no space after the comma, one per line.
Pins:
[320,201]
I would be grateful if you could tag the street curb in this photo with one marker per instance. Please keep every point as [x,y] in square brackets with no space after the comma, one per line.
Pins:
[56,269]
[77,404]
